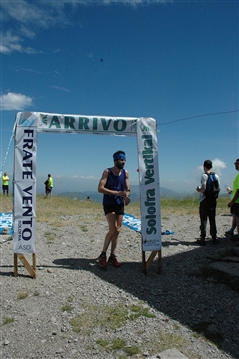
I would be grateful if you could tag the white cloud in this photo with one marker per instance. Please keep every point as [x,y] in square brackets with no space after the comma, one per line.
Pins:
[195,175]
[29,17]
[15,101]
[60,88]
[39,14]
[83,177]
[10,43]
[27,70]
[27,32]
[30,50]
[87,177]
[127,2]
[218,165]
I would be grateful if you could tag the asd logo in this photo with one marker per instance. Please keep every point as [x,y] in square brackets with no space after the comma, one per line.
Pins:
[44,119]
[26,247]
[145,128]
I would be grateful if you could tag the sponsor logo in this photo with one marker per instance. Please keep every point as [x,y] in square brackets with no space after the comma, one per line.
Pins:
[44,119]
[151,216]
[151,242]
[145,128]
[25,247]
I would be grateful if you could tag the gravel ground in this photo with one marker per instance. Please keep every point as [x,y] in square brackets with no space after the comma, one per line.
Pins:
[37,314]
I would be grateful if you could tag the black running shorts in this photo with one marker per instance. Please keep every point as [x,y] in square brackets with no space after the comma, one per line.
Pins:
[117,209]
[235,209]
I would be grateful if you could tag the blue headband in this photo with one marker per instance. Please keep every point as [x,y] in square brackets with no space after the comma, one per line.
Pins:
[119,156]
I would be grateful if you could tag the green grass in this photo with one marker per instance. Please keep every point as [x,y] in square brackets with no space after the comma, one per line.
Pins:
[7,320]
[99,316]
[108,316]
[22,295]
[84,228]
[140,311]
[64,207]
[132,350]
[158,342]
[117,344]
[67,308]
[50,236]
[166,340]
[189,205]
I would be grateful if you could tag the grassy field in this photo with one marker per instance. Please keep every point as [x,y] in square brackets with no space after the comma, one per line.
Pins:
[51,209]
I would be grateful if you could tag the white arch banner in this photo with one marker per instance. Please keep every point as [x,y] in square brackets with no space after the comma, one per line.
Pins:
[28,124]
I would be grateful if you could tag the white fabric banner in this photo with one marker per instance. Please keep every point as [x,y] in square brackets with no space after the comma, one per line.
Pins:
[24,213]
[149,184]
[48,122]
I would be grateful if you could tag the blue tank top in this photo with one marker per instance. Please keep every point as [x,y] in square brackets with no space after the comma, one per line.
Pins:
[115,183]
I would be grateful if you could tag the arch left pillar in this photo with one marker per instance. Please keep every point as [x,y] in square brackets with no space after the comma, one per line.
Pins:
[24,193]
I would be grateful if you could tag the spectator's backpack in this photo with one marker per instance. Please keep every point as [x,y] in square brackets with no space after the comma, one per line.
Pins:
[212,187]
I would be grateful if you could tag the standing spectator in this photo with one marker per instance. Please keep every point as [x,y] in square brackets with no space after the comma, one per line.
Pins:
[114,184]
[5,180]
[207,208]
[49,185]
[234,203]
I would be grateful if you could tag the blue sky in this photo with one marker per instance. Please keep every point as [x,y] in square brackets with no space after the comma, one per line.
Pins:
[175,61]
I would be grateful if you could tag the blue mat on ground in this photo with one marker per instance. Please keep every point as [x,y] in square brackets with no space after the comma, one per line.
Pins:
[6,222]
[132,222]
[128,220]
[135,224]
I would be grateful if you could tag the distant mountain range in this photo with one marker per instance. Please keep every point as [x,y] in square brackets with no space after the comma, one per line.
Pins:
[134,194]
